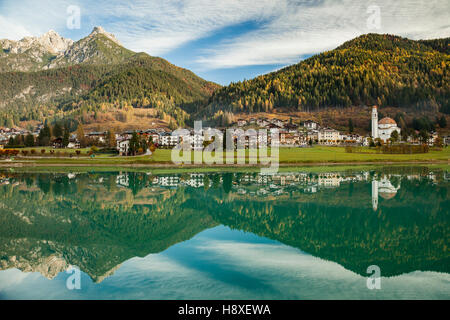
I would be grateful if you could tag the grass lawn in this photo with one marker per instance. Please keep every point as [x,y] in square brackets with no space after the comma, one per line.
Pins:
[317,154]
[338,154]
[334,154]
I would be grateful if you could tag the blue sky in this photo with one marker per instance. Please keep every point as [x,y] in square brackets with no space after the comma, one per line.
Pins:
[229,40]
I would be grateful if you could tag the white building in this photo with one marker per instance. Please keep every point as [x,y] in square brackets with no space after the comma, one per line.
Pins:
[196,140]
[123,146]
[241,122]
[168,140]
[383,129]
[262,122]
[329,136]
[311,125]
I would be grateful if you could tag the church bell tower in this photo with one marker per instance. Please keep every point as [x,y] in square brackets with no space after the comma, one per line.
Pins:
[375,122]
[375,195]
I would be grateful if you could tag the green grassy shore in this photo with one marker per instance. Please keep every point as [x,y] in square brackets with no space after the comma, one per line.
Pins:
[317,155]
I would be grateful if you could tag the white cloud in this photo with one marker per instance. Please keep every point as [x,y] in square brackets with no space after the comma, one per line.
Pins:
[308,28]
[32,18]
[11,30]
[287,29]
[158,27]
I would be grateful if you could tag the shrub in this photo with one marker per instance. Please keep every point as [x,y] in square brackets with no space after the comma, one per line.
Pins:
[94,149]
[9,152]
[405,149]
[33,151]
[43,151]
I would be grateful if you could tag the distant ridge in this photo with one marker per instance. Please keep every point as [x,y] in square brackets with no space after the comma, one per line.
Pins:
[385,70]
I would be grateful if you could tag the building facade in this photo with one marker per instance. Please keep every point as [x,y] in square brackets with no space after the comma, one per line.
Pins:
[384,128]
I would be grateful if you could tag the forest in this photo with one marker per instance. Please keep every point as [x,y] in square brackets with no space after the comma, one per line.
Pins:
[66,93]
[372,69]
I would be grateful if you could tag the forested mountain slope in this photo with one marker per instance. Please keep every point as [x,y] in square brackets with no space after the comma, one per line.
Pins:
[372,69]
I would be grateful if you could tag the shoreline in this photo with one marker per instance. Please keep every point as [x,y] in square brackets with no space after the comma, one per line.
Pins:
[12,164]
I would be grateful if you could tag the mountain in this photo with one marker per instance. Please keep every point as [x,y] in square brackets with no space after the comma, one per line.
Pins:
[50,77]
[100,47]
[51,51]
[385,70]
[32,53]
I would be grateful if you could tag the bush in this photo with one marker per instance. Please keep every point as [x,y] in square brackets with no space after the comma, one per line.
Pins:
[33,151]
[405,149]
[43,151]
[108,150]
[353,149]
[24,152]
[9,152]
[94,149]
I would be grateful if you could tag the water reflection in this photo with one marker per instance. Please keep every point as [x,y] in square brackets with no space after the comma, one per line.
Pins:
[396,218]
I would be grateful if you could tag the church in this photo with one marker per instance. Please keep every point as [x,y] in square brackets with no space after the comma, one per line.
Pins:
[383,188]
[382,129]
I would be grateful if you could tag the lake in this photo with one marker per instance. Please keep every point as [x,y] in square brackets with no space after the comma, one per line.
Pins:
[226,235]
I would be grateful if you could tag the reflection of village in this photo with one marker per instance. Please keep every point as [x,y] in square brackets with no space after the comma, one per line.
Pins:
[259,185]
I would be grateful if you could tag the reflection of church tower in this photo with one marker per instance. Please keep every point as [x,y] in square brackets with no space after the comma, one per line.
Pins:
[374,122]
[374,195]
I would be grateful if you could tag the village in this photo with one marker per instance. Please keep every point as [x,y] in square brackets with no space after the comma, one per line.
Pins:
[294,135]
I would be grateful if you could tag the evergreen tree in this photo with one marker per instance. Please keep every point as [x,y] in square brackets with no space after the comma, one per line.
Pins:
[10,143]
[44,136]
[424,136]
[29,140]
[134,144]
[57,130]
[66,138]
[19,140]
[350,125]
[442,122]
[394,136]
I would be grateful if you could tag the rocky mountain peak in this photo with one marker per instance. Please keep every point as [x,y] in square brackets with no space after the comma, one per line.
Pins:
[99,30]
[50,42]
[53,42]
[50,50]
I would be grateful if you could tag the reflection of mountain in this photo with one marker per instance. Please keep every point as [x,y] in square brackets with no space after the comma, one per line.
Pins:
[50,221]
[402,237]
[95,228]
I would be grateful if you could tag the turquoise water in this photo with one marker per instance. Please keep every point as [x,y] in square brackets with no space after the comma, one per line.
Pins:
[294,235]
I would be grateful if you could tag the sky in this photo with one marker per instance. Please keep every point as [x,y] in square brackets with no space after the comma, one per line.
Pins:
[228,40]
[220,263]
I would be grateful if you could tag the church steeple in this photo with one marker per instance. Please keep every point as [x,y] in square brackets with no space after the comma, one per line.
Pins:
[375,122]
[375,195]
